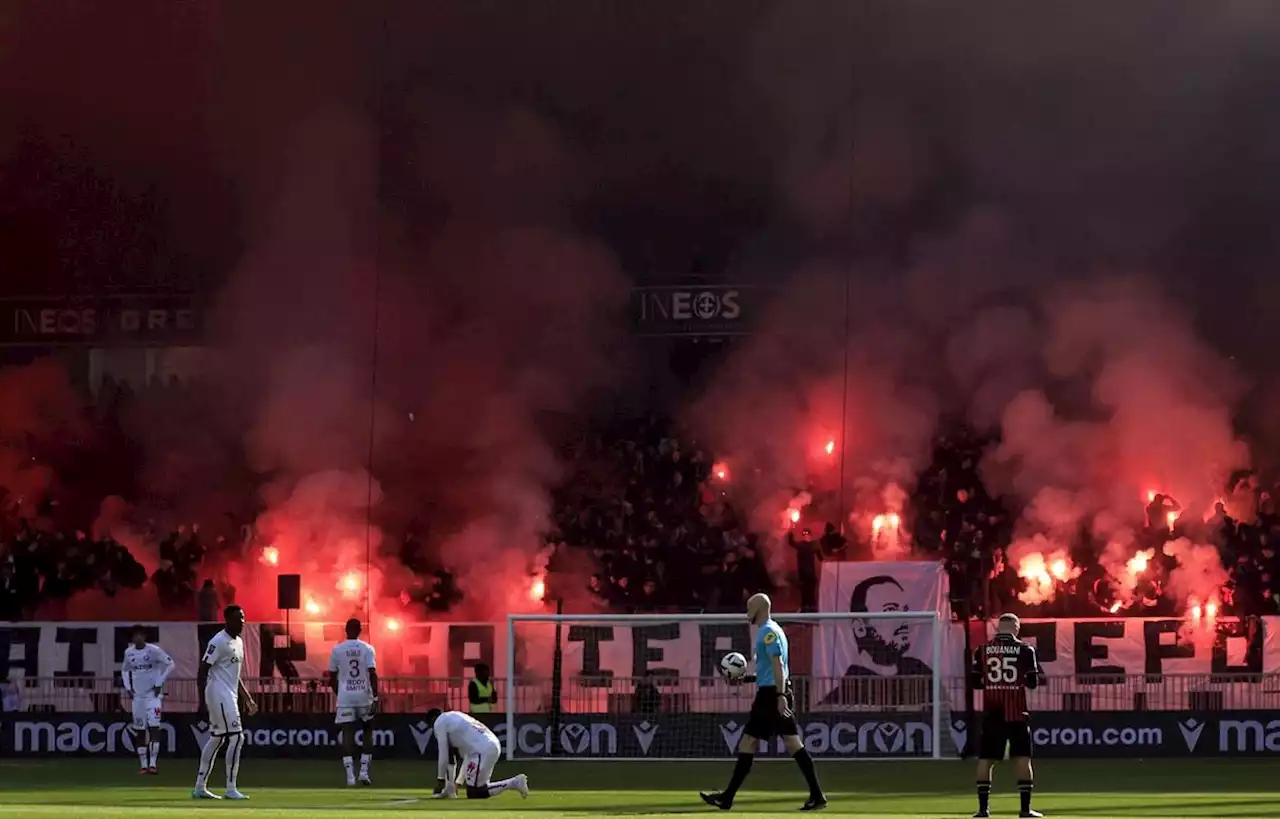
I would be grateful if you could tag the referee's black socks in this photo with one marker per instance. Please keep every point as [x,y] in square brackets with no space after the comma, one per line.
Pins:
[1024,793]
[984,796]
[740,771]
[805,762]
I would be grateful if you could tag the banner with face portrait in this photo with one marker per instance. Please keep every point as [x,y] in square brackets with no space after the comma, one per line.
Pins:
[856,660]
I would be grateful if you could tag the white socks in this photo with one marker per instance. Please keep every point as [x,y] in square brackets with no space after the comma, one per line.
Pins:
[234,745]
[148,752]
[207,755]
[501,785]
[349,764]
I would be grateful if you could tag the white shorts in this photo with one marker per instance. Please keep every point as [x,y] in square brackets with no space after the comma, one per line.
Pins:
[224,716]
[347,714]
[477,767]
[146,711]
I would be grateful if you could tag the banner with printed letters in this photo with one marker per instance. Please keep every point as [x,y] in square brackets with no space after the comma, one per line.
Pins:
[600,659]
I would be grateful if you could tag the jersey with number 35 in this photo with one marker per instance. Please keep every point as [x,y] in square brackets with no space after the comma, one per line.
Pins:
[1004,669]
[352,660]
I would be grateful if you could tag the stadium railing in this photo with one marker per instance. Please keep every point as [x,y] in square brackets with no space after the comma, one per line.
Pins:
[626,695]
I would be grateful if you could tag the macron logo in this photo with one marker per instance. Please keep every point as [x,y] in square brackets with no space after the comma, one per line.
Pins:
[732,734]
[1191,730]
[645,732]
[889,738]
[421,735]
[959,734]
[201,733]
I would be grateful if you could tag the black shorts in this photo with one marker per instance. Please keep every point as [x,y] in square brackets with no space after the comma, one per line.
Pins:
[998,734]
[765,722]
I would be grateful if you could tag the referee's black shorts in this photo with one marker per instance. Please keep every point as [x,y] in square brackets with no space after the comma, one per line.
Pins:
[765,721]
[999,734]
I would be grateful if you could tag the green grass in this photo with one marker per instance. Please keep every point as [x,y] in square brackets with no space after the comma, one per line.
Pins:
[1229,789]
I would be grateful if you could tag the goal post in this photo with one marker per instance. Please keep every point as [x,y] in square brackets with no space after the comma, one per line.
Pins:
[648,686]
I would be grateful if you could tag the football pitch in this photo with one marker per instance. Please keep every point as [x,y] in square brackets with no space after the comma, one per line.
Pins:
[280,789]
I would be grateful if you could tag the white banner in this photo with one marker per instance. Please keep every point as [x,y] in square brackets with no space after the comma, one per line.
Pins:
[597,653]
[1094,649]
[868,649]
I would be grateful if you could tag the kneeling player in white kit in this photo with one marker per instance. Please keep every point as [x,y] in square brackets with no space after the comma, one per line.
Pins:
[145,668]
[221,691]
[479,748]
[353,676]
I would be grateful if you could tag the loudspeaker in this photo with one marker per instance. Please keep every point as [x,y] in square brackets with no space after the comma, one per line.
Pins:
[289,592]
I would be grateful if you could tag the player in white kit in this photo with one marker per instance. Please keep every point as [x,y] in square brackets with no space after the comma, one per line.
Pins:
[353,676]
[221,692]
[479,748]
[145,668]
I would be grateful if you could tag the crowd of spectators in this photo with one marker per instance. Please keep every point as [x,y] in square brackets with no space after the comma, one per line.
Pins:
[641,524]
[641,508]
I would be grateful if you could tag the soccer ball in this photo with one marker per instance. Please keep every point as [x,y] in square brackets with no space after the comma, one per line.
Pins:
[734,665]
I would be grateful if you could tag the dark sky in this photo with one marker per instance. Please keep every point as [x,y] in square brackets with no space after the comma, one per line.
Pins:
[747,133]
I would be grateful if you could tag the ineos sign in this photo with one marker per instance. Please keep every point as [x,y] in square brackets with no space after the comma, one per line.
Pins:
[689,310]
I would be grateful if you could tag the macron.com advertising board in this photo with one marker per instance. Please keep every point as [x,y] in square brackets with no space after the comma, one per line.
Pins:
[665,736]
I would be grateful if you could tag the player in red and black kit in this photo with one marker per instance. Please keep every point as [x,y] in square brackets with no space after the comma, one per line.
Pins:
[1004,669]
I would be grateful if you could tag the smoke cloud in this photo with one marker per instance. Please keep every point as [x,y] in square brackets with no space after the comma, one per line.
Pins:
[939,198]
[963,256]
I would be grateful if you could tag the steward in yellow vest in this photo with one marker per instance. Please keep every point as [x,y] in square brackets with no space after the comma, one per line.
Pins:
[481,693]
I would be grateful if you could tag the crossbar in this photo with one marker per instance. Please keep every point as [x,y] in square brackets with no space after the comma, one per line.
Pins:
[815,617]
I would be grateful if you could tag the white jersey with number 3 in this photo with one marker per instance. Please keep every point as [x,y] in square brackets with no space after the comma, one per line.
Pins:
[454,729]
[352,660]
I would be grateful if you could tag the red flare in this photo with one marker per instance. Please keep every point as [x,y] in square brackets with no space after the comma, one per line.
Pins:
[271,556]
[830,447]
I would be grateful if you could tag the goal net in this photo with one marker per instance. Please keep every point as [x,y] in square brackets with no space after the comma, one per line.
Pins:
[649,687]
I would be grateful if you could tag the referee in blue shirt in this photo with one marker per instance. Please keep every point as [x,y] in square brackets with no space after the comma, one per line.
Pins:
[772,712]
